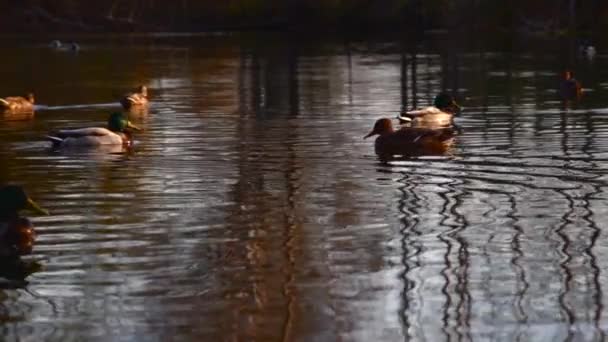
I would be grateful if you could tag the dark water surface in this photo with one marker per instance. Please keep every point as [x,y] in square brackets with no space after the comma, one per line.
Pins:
[251,208]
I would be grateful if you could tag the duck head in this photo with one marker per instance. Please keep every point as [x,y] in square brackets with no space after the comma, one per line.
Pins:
[381,127]
[14,199]
[143,90]
[30,97]
[118,122]
[446,103]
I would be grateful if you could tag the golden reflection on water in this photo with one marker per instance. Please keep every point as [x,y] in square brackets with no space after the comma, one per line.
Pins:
[251,209]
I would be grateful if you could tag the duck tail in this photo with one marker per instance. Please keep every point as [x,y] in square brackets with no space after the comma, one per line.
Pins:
[55,140]
[4,103]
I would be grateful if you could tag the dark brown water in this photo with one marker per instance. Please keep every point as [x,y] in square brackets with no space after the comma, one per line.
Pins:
[251,208]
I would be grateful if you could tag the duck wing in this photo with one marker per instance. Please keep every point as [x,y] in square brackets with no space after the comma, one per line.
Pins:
[82,132]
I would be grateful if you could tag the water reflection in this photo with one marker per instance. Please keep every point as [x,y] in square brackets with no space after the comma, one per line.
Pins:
[251,204]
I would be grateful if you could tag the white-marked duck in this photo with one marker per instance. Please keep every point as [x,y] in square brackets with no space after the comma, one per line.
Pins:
[439,115]
[118,133]
[135,99]
[409,141]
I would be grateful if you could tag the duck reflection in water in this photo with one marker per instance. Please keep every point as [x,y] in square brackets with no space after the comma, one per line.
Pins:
[410,141]
[17,236]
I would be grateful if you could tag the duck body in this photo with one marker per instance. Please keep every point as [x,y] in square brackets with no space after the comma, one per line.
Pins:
[441,114]
[17,103]
[88,137]
[135,99]
[17,234]
[409,141]
[569,87]
[117,133]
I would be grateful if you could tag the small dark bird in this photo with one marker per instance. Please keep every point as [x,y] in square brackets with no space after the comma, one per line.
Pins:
[569,87]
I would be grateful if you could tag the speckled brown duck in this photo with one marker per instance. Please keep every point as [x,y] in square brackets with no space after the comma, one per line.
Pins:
[409,141]
[137,98]
[18,103]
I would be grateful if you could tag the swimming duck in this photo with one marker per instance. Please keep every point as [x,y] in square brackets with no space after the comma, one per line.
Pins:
[438,115]
[58,45]
[17,233]
[137,98]
[410,140]
[569,87]
[117,133]
[18,103]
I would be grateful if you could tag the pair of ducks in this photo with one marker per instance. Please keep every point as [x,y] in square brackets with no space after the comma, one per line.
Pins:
[138,98]
[17,235]
[430,131]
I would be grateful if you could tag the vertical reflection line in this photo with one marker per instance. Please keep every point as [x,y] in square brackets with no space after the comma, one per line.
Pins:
[449,211]
[588,217]
[465,305]
[408,207]
[349,61]
[414,67]
[566,258]
[404,107]
[518,254]
[292,184]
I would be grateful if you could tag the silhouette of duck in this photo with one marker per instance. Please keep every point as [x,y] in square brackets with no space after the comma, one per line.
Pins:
[58,45]
[569,87]
[18,103]
[438,115]
[118,133]
[137,98]
[17,233]
[409,141]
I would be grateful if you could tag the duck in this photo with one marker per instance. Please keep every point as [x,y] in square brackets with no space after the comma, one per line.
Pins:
[409,141]
[17,234]
[58,45]
[137,98]
[440,114]
[569,87]
[118,132]
[18,103]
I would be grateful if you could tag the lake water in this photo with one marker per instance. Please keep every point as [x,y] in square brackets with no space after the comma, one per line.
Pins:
[252,209]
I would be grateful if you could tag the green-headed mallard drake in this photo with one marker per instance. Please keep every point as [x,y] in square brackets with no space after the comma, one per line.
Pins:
[17,233]
[137,98]
[569,87]
[117,133]
[18,103]
[410,140]
[438,115]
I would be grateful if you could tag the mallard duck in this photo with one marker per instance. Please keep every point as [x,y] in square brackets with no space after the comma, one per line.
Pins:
[137,98]
[17,233]
[18,103]
[117,133]
[440,114]
[569,87]
[410,140]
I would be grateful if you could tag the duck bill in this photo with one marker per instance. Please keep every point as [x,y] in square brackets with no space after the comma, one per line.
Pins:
[132,126]
[369,134]
[33,206]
